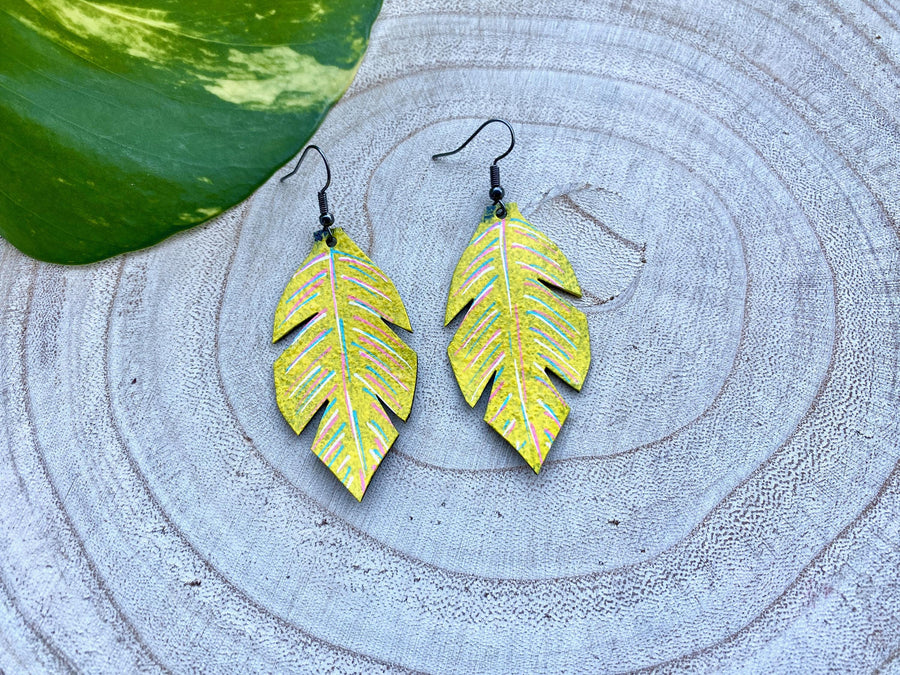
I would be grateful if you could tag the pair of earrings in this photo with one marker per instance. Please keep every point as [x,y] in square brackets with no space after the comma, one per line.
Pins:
[346,358]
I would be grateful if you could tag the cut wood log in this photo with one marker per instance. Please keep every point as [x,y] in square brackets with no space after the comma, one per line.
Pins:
[724,496]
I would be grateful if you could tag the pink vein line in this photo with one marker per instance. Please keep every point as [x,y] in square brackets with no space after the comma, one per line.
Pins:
[479,298]
[476,332]
[377,408]
[478,355]
[302,300]
[309,264]
[311,366]
[479,257]
[365,285]
[539,254]
[385,370]
[377,347]
[357,261]
[337,321]
[525,390]
[387,393]
[493,227]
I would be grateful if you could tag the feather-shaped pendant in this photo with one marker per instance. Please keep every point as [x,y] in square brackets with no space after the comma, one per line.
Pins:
[516,329]
[346,356]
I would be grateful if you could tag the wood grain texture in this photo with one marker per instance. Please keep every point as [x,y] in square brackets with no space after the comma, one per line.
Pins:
[725,494]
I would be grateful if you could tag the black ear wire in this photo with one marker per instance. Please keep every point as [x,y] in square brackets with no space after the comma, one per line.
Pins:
[496,192]
[326,219]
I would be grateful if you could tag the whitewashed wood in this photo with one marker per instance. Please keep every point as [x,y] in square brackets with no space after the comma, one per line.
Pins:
[725,495]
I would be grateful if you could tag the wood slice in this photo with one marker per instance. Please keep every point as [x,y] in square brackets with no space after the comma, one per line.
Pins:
[724,496]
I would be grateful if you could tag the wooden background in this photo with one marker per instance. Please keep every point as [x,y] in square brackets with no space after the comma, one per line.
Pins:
[724,177]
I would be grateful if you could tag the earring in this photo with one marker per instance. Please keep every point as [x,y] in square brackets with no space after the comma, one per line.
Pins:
[516,328]
[344,354]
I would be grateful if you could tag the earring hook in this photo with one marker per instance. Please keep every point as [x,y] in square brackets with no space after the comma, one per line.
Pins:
[512,141]
[326,219]
[300,161]
[496,192]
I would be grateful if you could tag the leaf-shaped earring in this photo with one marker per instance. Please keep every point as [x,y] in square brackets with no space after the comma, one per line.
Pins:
[516,328]
[344,355]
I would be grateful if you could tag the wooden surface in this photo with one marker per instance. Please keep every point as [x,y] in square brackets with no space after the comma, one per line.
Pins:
[724,178]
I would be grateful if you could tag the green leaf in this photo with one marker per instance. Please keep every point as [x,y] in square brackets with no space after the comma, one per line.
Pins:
[123,124]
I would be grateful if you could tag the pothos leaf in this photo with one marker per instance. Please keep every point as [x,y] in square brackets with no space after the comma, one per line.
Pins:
[516,329]
[346,356]
[124,122]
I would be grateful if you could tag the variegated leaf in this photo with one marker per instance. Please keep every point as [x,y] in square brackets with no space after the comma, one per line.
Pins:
[125,121]
[345,356]
[516,329]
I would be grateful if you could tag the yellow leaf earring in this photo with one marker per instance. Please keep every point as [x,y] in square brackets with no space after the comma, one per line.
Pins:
[516,327]
[344,357]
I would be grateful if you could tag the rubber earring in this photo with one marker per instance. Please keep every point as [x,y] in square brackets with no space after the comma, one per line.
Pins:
[344,357]
[516,327]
